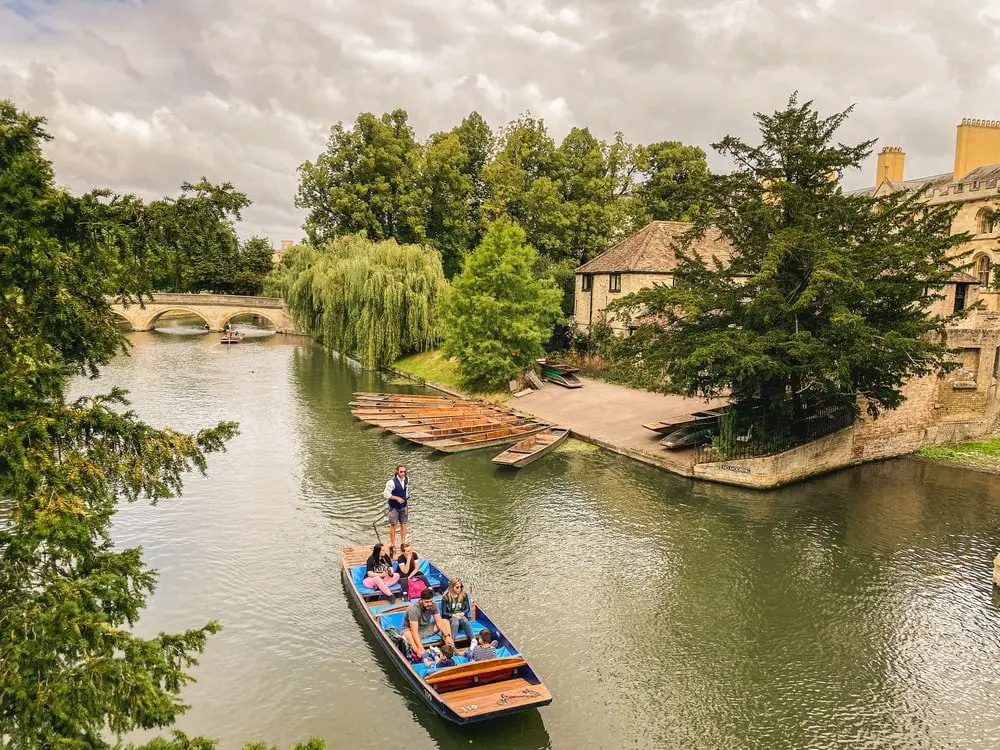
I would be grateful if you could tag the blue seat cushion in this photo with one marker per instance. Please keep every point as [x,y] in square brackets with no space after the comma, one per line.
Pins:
[395,620]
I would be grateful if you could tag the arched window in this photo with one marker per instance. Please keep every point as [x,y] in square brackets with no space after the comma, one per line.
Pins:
[982,265]
[984,221]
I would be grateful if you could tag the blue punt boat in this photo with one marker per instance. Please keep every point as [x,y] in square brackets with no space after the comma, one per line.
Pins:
[469,691]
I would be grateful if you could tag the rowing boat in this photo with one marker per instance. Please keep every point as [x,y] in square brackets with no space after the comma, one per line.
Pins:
[483,440]
[531,448]
[466,693]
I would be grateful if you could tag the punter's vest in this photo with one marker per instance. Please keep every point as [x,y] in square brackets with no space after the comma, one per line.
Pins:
[399,490]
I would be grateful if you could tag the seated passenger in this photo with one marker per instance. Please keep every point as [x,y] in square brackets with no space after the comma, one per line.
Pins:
[483,648]
[457,609]
[446,657]
[378,572]
[422,620]
[408,560]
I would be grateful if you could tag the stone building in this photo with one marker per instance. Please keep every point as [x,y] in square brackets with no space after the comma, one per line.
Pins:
[278,255]
[642,260]
[960,406]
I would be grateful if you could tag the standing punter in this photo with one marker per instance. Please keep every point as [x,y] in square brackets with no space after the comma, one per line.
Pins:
[395,492]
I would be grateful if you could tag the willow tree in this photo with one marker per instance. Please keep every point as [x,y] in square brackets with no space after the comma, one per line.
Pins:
[374,301]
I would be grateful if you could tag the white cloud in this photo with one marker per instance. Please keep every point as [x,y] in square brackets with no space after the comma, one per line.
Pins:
[142,96]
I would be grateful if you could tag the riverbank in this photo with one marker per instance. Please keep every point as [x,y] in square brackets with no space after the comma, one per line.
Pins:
[602,413]
[979,455]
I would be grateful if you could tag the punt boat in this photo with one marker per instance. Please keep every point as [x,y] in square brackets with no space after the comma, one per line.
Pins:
[232,337]
[531,448]
[498,436]
[560,374]
[466,693]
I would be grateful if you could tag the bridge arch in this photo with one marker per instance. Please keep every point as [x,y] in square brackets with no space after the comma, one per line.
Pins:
[157,314]
[270,318]
[121,317]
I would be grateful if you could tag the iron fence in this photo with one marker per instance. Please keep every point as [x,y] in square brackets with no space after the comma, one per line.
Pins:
[769,437]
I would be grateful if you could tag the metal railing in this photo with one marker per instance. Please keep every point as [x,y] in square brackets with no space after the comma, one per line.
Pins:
[770,437]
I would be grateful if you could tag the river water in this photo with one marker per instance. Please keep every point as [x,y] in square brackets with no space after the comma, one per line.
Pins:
[855,610]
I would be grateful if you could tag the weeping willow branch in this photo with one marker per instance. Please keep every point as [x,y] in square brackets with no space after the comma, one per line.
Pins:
[374,301]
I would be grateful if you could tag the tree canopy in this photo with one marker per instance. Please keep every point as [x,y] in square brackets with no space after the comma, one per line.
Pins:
[197,248]
[825,296]
[375,301]
[573,200]
[71,669]
[498,313]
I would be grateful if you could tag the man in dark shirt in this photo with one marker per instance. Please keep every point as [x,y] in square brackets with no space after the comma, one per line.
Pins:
[422,620]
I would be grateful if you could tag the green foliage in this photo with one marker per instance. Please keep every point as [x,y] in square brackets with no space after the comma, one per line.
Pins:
[573,200]
[71,670]
[498,314]
[198,246]
[367,180]
[374,301]
[180,741]
[825,298]
[978,452]
[676,183]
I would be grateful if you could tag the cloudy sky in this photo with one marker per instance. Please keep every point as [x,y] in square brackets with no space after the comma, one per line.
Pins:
[143,94]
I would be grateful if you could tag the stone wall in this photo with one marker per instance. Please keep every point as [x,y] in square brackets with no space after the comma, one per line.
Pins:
[601,296]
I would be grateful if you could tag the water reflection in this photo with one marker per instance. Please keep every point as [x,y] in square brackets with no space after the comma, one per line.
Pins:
[660,612]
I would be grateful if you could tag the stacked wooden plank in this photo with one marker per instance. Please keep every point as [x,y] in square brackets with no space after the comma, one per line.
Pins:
[446,423]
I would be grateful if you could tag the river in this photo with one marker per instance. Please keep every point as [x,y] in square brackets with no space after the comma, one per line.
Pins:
[855,610]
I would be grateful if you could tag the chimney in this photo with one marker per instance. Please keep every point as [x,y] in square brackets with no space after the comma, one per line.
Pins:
[977,144]
[890,165]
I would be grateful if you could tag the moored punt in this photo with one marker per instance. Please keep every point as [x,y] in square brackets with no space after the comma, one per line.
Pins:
[483,440]
[388,416]
[531,448]
[412,421]
[388,398]
[420,435]
[463,694]
[561,375]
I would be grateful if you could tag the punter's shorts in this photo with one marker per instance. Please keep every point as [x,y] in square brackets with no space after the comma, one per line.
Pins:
[398,515]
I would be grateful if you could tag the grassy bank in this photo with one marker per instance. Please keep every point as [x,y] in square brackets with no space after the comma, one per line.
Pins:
[977,454]
[436,368]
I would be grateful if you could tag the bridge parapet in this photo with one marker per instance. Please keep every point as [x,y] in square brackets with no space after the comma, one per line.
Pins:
[215,309]
[172,298]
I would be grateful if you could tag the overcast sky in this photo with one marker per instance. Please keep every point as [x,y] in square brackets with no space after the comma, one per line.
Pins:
[142,95]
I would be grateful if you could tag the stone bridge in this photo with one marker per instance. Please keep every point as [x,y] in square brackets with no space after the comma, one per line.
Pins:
[214,309]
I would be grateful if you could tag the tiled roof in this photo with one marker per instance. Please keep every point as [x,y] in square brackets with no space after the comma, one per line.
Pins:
[936,180]
[963,278]
[652,249]
[987,174]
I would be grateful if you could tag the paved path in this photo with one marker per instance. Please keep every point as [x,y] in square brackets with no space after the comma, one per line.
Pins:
[612,416]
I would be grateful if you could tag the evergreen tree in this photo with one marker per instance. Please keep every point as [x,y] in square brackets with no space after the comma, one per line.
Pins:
[825,296]
[497,313]
[72,672]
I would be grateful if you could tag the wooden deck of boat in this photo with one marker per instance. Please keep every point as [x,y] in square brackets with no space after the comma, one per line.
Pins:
[493,696]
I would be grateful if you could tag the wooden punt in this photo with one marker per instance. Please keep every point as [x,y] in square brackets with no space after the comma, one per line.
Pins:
[377,417]
[464,423]
[435,433]
[232,337]
[463,694]
[561,375]
[412,421]
[483,440]
[388,398]
[531,448]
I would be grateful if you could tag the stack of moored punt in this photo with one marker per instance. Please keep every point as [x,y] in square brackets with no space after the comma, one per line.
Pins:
[445,423]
